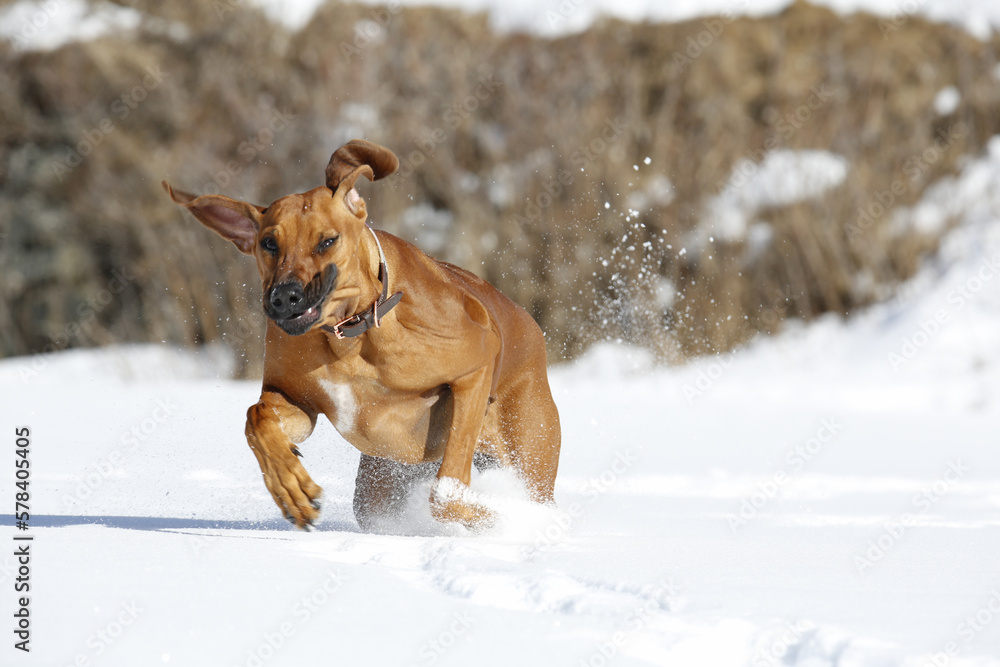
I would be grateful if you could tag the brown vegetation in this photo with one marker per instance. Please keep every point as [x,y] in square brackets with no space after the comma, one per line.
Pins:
[518,159]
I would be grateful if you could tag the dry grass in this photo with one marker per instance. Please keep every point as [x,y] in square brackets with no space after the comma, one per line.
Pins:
[488,127]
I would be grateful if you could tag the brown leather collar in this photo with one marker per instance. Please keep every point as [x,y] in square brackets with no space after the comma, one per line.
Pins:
[358,324]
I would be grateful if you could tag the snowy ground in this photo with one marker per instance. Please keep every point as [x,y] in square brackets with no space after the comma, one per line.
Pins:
[827,497]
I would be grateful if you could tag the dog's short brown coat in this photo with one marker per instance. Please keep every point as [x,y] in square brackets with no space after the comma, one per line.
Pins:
[455,371]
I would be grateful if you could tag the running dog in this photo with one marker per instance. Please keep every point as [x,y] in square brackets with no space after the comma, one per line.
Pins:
[412,359]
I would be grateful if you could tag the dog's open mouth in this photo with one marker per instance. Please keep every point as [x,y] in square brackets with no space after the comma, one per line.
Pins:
[301,323]
[302,317]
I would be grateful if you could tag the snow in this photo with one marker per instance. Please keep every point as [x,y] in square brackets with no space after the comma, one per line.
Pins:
[41,26]
[978,17]
[431,227]
[294,15]
[781,177]
[971,196]
[827,496]
[658,191]
[947,100]
[48,24]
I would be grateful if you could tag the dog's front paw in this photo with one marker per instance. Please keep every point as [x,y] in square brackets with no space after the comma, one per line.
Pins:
[454,502]
[294,492]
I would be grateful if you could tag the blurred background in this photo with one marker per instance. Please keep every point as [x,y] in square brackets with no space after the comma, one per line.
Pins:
[679,178]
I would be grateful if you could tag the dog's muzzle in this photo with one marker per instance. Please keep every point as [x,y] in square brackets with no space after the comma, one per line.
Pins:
[287,299]
[294,307]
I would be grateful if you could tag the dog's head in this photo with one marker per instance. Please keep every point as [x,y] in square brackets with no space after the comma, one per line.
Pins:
[304,242]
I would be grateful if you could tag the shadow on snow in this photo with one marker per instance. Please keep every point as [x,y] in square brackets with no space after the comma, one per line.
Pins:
[158,523]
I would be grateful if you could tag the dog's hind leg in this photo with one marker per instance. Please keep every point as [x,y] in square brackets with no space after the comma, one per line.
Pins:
[274,427]
[529,431]
[382,487]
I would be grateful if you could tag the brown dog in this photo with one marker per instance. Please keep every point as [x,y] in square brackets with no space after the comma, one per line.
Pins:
[445,369]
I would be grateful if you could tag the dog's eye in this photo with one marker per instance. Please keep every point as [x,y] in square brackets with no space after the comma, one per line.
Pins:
[269,244]
[326,243]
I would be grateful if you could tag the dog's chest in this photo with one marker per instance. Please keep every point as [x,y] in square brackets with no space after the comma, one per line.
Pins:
[379,420]
[341,396]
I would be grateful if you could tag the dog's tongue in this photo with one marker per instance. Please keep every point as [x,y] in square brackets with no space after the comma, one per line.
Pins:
[301,322]
[310,314]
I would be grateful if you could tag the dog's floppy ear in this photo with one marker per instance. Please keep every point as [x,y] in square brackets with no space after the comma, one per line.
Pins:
[229,218]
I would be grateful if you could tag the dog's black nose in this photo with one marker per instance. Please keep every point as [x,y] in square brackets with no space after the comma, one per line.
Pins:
[287,300]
